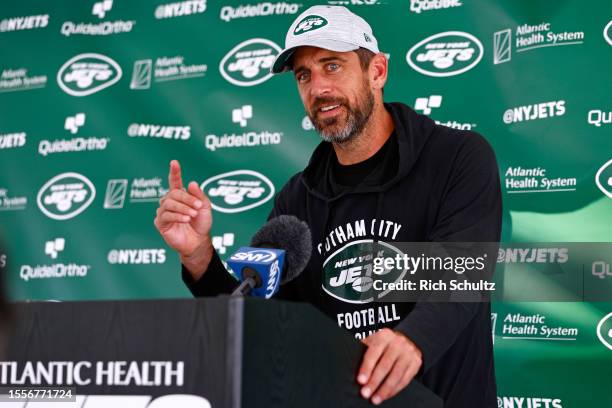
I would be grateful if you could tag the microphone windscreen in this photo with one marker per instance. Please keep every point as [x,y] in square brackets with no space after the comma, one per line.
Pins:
[289,233]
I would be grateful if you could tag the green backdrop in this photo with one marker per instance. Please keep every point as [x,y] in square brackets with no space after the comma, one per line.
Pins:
[96,97]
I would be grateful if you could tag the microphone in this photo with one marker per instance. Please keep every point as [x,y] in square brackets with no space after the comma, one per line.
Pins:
[279,252]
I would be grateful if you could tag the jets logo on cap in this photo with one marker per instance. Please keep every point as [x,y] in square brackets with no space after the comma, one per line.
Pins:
[309,23]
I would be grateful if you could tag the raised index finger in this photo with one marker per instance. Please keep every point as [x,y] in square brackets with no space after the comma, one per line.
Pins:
[175,180]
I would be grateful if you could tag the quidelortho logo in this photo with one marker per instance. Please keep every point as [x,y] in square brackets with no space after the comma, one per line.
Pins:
[140,130]
[142,190]
[99,9]
[519,179]
[65,196]
[604,331]
[418,6]
[348,273]
[238,190]
[229,13]
[180,9]
[13,140]
[54,247]
[601,269]
[607,33]
[241,116]
[249,63]
[445,54]
[13,80]
[426,104]
[24,23]
[75,144]
[165,69]
[136,256]
[88,73]
[535,111]
[9,202]
[530,37]
[599,118]
[309,23]
[529,402]
[222,242]
[522,326]
[603,178]
[73,123]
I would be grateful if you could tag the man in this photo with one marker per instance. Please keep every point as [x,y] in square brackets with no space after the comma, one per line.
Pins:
[382,173]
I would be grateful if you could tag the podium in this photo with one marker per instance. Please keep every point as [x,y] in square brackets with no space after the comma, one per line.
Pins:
[192,353]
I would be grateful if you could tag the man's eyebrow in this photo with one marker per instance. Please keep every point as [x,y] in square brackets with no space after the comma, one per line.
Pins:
[321,60]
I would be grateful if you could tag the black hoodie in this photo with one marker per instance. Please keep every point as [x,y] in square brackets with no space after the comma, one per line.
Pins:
[435,184]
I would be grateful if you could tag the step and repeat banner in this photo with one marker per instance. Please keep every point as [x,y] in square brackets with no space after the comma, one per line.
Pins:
[96,98]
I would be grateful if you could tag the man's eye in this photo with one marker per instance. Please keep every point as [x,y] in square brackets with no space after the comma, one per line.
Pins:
[333,66]
[302,76]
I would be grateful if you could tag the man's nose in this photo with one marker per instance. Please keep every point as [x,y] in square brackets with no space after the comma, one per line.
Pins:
[320,85]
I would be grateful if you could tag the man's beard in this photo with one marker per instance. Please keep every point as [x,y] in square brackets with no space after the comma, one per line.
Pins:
[344,126]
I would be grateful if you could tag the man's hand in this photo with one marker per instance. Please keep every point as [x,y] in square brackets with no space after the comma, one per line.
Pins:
[184,219]
[389,364]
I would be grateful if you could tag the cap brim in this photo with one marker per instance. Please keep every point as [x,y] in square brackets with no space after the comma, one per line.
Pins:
[281,62]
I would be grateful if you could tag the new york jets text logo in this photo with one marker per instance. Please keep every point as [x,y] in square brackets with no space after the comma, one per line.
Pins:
[65,196]
[445,54]
[249,62]
[309,23]
[604,331]
[348,273]
[85,74]
[238,190]
[603,178]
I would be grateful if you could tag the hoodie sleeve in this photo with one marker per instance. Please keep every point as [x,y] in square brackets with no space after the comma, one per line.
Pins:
[470,211]
[215,281]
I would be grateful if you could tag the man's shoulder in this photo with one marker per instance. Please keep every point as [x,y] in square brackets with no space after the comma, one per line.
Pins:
[441,139]
[458,137]
[457,143]
[293,186]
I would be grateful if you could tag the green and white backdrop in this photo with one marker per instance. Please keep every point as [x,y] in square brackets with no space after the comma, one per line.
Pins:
[96,97]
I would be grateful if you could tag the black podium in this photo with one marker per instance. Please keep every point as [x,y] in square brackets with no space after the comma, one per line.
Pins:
[231,352]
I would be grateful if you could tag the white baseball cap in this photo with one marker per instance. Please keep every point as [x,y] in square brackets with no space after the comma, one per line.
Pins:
[333,28]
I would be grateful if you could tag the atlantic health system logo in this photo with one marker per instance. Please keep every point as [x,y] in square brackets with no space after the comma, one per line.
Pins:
[530,37]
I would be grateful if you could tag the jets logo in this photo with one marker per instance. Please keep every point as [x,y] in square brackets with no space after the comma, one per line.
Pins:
[309,23]
[348,273]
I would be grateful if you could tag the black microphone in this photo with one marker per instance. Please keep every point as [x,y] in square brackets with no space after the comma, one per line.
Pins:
[290,244]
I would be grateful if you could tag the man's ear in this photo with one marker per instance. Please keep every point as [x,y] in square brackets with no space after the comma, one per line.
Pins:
[378,70]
